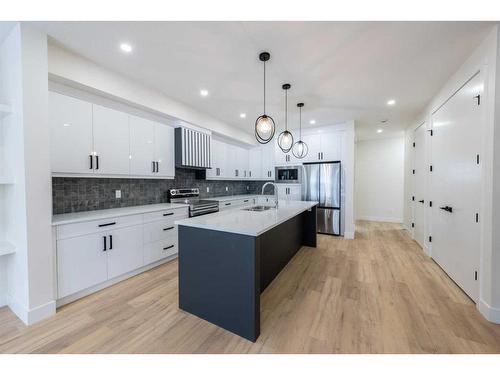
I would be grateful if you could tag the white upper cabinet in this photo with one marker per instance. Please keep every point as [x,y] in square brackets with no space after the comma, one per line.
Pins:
[330,146]
[313,142]
[255,163]
[164,154]
[70,123]
[268,161]
[142,150]
[88,138]
[111,141]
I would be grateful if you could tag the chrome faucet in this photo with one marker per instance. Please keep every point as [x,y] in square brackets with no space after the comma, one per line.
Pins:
[275,192]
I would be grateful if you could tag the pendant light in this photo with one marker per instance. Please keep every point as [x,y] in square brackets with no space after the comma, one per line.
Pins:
[285,139]
[300,148]
[264,125]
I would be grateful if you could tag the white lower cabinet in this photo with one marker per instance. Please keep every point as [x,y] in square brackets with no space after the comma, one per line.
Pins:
[125,252]
[81,263]
[93,252]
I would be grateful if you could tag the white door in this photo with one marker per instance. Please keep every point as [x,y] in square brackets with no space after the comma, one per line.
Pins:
[419,178]
[330,146]
[81,263]
[142,150]
[111,141]
[70,123]
[125,250]
[455,182]
[255,163]
[164,150]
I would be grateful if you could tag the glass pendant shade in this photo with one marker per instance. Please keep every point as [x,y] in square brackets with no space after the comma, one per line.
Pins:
[264,125]
[300,150]
[264,129]
[285,141]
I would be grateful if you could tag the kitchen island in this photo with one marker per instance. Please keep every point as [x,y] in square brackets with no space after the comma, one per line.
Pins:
[227,259]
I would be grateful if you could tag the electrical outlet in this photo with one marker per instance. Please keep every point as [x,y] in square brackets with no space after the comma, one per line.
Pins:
[118,194]
[248,187]
[208,189]
[227,189]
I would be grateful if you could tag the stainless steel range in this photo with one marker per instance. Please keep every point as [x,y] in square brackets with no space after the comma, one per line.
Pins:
[197,206]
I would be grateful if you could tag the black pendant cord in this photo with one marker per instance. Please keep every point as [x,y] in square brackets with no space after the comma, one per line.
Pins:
[300,123]
[286,109]
[264,87]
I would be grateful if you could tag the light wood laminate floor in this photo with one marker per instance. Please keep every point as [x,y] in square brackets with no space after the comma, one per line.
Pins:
[378,293]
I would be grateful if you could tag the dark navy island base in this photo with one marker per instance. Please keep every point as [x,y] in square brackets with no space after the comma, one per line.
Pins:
[221,274]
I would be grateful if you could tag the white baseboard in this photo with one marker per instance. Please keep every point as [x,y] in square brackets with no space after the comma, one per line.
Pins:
[31,316]
[3,299]
[383,219]
[349,235]
[491,314]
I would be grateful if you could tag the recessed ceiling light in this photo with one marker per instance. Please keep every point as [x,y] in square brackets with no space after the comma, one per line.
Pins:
[312,122]
[391,102]
[243,115]
[379,130]
[203,92]
[125,47]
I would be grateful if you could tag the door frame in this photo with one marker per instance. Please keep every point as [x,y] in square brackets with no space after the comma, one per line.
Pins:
[427,156]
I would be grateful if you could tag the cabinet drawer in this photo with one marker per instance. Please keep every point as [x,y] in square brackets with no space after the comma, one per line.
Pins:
[96,226]
[173,214]
[159,230]
[158,250]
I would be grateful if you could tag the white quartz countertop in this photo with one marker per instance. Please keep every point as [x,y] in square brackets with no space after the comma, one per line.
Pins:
[232,197]
[112,212]
[252,223]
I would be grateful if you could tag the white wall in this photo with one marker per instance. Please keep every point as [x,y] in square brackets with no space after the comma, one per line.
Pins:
[379,185]
[73,70]
[484,60]
[27,203]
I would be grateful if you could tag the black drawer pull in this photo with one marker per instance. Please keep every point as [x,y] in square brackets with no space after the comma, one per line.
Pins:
[168,214]
[246,200]
[168,228]
[107,224]
[227,204]
[168,247]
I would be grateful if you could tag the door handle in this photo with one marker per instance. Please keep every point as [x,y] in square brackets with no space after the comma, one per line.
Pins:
[447,208]
[422,201]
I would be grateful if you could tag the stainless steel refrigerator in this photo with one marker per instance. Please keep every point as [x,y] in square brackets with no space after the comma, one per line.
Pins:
[322,182]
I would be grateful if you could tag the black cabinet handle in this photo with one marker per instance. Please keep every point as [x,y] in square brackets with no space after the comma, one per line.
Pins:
[105,244]
[168,247]
[422,201]
[157,167]
[246,200]
[107,224]
[97,162]
[91,162]
[227,204]
[110,242]
[168,214]
[168,228]
[447,208]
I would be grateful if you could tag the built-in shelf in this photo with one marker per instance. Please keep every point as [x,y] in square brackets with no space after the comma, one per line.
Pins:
[6,248]
[4,110]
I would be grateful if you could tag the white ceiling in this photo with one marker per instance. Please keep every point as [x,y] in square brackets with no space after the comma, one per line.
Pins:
[341,70]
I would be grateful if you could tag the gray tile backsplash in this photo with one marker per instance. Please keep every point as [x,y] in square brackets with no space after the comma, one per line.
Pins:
[75,194]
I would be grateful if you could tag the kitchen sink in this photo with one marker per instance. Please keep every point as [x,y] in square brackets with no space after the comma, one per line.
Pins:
[258,208]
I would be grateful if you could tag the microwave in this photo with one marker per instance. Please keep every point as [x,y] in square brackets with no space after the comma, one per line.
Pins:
[289,175]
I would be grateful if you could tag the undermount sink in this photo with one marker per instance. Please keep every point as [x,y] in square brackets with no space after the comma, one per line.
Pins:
[258,208]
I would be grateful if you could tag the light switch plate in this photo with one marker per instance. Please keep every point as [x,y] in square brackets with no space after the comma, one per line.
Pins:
[208,189]
[118,194]
[227,189]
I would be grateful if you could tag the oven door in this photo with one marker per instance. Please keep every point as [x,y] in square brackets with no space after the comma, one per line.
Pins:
[289,175]
[203,210]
